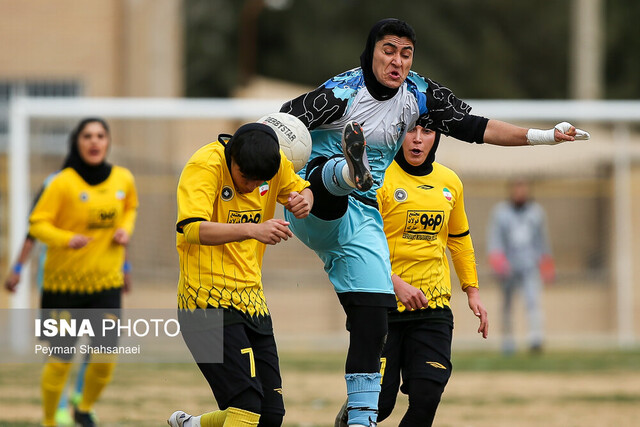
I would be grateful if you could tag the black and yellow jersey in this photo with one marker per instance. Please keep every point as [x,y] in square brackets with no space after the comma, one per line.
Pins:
[70,206]
[226,276]
[423,215]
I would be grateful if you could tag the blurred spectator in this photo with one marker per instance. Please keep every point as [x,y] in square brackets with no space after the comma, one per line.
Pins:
[520,256]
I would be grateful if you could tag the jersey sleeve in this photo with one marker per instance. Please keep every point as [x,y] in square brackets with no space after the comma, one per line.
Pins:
[197,190]
[130,205]
[450,115]
[317,107]
[460,244]
[44,213]
[45,184]
[288,181]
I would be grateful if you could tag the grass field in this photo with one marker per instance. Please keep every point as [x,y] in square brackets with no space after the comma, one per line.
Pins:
[554,389]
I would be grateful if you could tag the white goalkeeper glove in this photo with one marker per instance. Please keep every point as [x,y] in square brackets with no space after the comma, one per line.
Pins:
[547,137]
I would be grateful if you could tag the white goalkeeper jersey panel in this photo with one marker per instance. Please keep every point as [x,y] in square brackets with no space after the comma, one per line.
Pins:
[345,98]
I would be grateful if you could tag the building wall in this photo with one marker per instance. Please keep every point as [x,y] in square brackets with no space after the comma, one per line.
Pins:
[65,39]
[113,47]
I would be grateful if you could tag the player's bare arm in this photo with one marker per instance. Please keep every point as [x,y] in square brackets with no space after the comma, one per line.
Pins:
[475,304]
[12,282]
[300,204]
[508,135]
[269,232]
[14,277]
[410,296]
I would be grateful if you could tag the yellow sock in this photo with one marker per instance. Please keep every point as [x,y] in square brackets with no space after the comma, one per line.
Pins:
[54,377]
[241,418]
[213,419]
[96,378]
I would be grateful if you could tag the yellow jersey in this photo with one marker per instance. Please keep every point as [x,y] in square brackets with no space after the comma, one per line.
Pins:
[70,206]
[227,276]
[423,215]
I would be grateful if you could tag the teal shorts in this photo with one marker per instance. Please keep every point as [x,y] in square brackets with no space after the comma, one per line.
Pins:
[353,248]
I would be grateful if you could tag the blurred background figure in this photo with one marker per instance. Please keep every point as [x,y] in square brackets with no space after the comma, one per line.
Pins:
[520,256]
[85,216]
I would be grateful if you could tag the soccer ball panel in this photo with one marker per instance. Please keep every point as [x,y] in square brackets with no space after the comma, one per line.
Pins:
[293,136]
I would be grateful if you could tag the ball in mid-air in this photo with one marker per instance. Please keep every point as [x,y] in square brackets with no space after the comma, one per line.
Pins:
[293,136]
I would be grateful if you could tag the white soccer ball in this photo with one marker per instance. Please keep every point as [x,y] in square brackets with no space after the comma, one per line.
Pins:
[293,136]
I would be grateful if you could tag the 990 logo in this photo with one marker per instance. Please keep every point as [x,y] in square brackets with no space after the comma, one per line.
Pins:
[236,217]
[423,225]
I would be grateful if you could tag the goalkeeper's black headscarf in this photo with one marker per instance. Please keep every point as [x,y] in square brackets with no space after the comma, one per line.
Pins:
[380,29]
[92,174]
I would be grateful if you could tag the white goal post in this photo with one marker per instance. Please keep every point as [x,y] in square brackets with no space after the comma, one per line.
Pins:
[620,113]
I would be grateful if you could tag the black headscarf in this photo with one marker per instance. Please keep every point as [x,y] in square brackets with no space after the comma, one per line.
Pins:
[92,174]
[426,167]
[377,89]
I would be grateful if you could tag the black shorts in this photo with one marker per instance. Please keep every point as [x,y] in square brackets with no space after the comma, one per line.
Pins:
[250,368]
[93,306]
[416,349]
[369,299]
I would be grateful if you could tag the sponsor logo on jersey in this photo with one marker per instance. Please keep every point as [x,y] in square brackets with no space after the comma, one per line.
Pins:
[84,196]
[237,217]
[425,187]
[423,225]
[400,195]
[447,193]
[120,194]
[227,193]
[102,218]
[437,365]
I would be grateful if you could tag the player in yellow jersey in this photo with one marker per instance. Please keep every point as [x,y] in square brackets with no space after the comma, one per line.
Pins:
[85,216]
[226,201]
[63,416]
[422,207]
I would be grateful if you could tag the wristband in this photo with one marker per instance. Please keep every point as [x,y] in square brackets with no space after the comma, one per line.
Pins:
[541,137]
[17,268]
[547,137]
[126,267]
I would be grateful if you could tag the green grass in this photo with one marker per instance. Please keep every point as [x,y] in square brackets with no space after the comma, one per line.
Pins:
[588,399]
[632,399]
[17,424]
[551,361]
